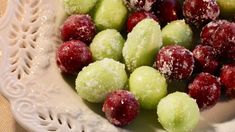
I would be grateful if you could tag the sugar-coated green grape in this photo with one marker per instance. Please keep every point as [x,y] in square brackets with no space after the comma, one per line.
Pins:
[98,79]
[110,14]
[142,44]
[78,6]
[107,44]
[227,7]
[177,32]
[177,112]
[148,85]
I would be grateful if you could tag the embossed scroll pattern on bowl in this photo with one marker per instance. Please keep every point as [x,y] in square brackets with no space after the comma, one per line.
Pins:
[29,77]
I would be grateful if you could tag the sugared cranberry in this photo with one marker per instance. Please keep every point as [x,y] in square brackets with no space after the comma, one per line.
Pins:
[224,40]
[227,77]
[167,10]
[208,31]
[200,12]
[121,107]
[72,56]
[78,27]
[206,89]
[205,58]
[175,62]
[221,36]
[139,4]
[136,17]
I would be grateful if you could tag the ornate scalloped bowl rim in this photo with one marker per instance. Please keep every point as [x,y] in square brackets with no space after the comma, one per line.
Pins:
[29,78]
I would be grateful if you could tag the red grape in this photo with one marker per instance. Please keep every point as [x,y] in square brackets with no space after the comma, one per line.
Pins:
[78,27]
[72,56]
[175,62]
[121,107]
[200,12]
[206,89]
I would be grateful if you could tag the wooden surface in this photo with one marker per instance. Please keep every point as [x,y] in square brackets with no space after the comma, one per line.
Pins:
[7,122]
[3,6]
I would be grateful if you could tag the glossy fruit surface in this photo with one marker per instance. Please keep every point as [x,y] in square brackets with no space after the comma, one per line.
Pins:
[167,10]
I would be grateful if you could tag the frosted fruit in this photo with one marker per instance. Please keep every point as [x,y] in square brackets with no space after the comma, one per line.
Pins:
[107,44]
[79,6]
[227,7]
[142,44]
[148,85]
[177,112]
[98,79]
[120,107]
[177,32]
[110,14]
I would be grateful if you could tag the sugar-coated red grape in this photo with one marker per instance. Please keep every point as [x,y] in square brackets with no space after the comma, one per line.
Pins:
[78,27]
[205,59]
[224,40]
[136,17]
[121,107]
[220,35]
[227,77]
[175,62]
[167,10]
[206,89]
[208,31]
[200,12]
[140,4]
[72,56]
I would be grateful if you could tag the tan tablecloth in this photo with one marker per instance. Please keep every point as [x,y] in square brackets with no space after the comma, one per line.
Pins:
[7,122]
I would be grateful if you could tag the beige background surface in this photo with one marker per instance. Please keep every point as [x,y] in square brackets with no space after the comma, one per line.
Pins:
[7,122]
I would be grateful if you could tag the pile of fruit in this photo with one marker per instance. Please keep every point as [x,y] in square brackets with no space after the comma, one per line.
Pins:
[125,53]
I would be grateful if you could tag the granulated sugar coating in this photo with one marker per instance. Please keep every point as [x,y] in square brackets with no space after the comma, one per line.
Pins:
[121,107]
[200,12]
[227,77]
[139,4]
[206,59]
[100,78]
[220,35]
[177,112]
[72,56]
[142,44]
[208,31]
[206,89]
[175,62]
[78,27]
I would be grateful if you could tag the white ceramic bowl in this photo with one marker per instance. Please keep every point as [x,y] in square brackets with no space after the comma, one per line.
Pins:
[42,99]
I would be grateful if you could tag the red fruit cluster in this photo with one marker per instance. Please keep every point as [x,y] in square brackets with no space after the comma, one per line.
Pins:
[78,31]
[121,107]
[200,12]
[175,62]
[221,36]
